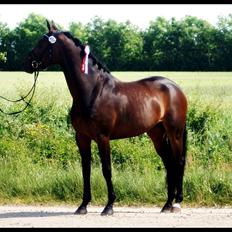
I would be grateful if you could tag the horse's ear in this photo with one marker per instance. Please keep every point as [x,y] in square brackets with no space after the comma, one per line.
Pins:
[53,26]
[48,25]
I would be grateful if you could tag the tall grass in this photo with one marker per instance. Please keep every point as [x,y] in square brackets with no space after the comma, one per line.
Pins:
[40,162]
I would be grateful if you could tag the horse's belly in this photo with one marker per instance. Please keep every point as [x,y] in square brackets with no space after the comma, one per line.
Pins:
[134,126]
[126,134]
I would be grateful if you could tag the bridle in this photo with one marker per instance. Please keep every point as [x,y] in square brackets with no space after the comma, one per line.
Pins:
[36,65]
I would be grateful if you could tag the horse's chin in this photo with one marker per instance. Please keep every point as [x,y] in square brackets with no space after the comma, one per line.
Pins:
[28,69]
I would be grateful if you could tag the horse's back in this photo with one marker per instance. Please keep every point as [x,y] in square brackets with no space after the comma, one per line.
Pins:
[158,80]
[153,85]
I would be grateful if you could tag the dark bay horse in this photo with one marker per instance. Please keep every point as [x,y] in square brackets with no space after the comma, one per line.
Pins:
[105,108]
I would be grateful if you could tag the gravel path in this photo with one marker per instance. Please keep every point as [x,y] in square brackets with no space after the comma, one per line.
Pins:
[62,216]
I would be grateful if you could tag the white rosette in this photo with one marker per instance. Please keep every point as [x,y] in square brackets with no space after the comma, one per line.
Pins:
[52,39]
[87,51]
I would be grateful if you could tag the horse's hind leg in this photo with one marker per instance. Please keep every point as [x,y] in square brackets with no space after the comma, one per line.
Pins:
[84,145]
[177,136]
[159,137]
[180,169]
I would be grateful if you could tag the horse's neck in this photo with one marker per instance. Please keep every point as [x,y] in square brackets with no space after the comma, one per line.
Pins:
[81,86]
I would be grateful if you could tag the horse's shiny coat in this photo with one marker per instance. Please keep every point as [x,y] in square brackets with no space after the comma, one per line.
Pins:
[105,108]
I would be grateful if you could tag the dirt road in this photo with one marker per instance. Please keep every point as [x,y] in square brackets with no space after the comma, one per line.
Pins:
[62,216]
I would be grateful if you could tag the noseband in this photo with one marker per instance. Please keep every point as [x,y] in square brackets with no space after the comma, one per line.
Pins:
[37,61]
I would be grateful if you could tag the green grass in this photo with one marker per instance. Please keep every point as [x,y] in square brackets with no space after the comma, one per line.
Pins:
[39,160]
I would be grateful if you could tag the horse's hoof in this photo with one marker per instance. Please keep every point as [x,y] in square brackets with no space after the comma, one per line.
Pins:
[107,211]
[81,211]
[166,209]
[176,208]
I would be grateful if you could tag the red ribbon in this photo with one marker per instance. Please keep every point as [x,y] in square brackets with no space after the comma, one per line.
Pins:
[84,64]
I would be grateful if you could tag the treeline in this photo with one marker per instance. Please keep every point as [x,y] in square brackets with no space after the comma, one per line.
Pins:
[189,44]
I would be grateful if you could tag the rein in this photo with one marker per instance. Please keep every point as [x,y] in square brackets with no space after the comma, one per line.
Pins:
[36,63]
[36,74]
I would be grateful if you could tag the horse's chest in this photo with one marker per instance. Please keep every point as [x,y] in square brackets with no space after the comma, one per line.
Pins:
[92,127]
[82,124]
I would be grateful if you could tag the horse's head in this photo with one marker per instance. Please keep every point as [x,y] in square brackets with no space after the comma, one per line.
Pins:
[51,48]
[46,52]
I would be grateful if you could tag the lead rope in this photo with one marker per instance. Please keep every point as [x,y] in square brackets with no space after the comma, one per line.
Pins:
[36,74]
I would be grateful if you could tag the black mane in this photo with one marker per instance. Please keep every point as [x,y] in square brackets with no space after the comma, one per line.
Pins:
[78,43]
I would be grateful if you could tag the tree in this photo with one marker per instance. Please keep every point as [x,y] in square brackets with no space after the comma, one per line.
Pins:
[179,45]
[153,39]
[132,47]
[195,44]
[188,44]
[4,32]
[96,39]
[79,30]
[223,44]
[119,45]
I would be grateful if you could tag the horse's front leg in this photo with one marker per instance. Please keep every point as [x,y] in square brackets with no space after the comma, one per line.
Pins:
[84,145]
[104,150]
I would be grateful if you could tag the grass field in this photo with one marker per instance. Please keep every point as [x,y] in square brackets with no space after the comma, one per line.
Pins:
[39,161]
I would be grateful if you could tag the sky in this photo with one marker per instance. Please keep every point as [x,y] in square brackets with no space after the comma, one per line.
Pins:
[137,14]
